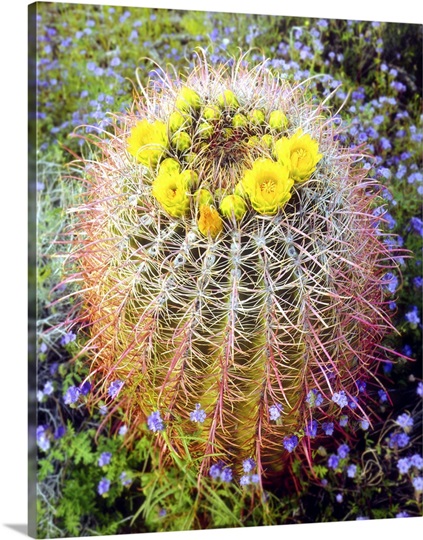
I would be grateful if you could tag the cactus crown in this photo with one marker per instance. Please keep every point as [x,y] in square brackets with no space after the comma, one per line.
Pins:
[232,267]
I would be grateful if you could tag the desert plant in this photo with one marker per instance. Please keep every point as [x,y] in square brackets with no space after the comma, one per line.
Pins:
[231,270]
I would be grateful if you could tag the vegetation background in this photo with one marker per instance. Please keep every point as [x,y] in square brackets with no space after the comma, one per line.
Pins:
[14,304]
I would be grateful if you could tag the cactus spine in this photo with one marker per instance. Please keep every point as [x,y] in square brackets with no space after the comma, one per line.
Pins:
[229,258]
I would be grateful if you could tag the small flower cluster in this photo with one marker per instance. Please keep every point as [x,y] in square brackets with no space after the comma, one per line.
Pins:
[248,466]
[198,415]
[221,471]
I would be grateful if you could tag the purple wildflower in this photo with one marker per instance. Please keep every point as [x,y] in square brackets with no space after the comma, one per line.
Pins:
[314,398]
[419,389]
[255,478]
[72,395]
[343,421]
[155,422]
[418,483]
[405,421]
[275,411]
[123,430]
[339,498]
[333,461]
[48,388]
[103,486]
[248,465]
[104,459]
[198,415]
[245,480]
[418,282]
[60,432]
[340,398]
[311,429]
[290,443]
[364,424]
[216,469]
[328,428]
[403,465]
[391,282]
[42,438]
[413,316]
[416,460]
[383,396]
[351,471]
[85,388]
[67,338]
[114,388]
[343,451]
[398,440]
[402,515]
[226,474]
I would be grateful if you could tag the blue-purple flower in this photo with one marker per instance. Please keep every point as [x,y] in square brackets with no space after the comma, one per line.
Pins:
[340,398]
[275,411]
[418,483]
[155,421]
[328,428]
[403,465]
[290,443]
[333,461]
[311,429]
[72,395]
[248,465]
[405,421]
[314,398]
[351,471]
[114,388]
[103,486]
[198,415]
[343,451]
[104,459]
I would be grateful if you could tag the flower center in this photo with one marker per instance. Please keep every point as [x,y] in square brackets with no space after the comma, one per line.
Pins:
[268,186]
[297,156]
[171,191]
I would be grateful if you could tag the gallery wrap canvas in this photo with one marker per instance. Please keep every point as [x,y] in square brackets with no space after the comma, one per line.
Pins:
[225,278]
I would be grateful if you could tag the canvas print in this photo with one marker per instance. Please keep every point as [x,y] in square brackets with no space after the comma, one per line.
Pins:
[226,270]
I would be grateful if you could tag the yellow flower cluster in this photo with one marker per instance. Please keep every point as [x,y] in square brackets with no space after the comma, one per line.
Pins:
[267,184]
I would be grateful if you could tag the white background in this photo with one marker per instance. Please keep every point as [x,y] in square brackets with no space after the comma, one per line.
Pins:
[13,257]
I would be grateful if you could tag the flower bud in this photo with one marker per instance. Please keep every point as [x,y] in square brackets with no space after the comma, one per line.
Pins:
[181,141]
[187,99]
[233,205]
[278,120]
[228,99]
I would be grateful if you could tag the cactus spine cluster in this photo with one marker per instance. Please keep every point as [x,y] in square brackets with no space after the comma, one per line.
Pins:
[231,265]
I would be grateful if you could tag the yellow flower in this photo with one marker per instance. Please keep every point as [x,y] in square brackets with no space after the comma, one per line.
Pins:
[147,142]
[233,205]
[170,188]
[267,185]
[209,222]
[300,153]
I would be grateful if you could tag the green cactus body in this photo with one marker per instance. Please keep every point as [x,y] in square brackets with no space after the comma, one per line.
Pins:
[238,313]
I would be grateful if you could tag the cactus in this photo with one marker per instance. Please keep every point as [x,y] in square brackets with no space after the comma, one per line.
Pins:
[231,269]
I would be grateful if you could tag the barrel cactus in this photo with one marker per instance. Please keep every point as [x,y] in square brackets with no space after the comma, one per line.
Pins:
[231,270]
